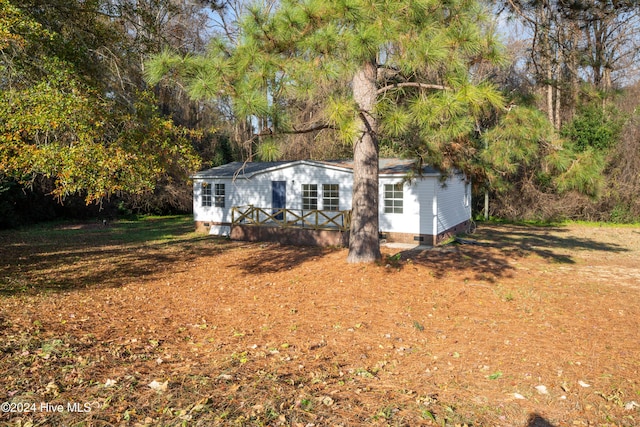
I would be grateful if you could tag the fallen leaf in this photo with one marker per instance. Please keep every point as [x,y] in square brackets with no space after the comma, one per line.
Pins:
[157,386]
[53,388]
[542,389]
[327,401]
[495,375]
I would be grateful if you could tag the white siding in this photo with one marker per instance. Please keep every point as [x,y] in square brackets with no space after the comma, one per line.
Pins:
[420,210]
[453,202]
[406,222]
[217,214]
[257,191]
[426,195]
[429,207]
[305,174]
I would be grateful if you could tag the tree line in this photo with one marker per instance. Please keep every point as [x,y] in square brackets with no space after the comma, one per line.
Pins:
[578,65]
[80,127]
[117,101]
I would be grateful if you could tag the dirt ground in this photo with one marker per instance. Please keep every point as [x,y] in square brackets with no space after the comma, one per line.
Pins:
[518,326]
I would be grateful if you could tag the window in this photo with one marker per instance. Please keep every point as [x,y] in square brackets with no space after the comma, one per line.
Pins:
[309,196]
[330,197]
[219,196]
[393,198]
[206,194]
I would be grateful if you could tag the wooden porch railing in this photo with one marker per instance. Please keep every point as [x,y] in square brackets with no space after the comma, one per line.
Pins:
[314,219]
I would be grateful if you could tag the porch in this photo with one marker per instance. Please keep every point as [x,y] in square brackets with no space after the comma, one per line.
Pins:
[312,219]
[290,226]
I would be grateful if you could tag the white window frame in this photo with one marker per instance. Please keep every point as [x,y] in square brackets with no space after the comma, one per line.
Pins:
[467,194]
[394,198]
[206,198]
[219,195]
[331,197]
[309,197]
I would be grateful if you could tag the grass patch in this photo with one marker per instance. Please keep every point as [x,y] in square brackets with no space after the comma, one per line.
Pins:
[555,223]
[63,256]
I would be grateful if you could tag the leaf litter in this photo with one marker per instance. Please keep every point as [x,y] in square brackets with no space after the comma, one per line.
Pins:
[195,331]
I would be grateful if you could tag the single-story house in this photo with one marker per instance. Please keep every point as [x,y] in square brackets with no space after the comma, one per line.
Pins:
[283,200]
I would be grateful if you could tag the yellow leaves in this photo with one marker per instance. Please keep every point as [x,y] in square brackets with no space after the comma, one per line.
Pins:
[7,39]
[10,17]
[56,130]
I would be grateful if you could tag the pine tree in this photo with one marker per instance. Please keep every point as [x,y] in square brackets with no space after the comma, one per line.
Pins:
[397,70]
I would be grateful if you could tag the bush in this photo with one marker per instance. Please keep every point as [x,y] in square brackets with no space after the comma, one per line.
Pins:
[595,127]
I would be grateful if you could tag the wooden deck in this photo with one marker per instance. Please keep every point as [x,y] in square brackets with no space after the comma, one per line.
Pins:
[287,218]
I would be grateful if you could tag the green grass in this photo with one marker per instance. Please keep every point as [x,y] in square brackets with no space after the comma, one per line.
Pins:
[70,255]
[558,223]
[602,224]
[144,229]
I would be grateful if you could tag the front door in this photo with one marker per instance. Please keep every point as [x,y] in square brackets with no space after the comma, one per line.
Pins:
[278,198]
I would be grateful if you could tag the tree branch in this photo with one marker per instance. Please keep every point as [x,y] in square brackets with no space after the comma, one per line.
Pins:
[270,132]
[411,84]
[516,8]
[311,129]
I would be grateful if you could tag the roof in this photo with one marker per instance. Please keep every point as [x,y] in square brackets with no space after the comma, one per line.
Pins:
[249,169]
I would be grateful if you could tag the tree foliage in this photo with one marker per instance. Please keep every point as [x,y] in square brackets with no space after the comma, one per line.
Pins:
[60,122]
[394,69]
[595,127]
[524,144]
[279,80]
[577,44]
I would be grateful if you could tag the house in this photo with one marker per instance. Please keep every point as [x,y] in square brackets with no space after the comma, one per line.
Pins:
[309,202]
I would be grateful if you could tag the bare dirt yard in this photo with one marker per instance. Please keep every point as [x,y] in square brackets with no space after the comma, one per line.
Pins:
[146,323]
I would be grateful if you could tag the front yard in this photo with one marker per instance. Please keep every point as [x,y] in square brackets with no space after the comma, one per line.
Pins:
[147,323]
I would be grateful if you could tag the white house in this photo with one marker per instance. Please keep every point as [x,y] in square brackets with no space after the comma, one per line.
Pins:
[281,198]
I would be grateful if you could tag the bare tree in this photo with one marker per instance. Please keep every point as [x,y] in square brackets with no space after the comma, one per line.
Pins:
[573,42]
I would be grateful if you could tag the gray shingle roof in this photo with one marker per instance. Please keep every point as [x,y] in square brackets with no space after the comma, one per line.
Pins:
[247,170]
[238,169]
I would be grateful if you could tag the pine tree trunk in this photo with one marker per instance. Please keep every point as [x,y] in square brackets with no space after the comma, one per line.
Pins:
[364,245]
[573,64]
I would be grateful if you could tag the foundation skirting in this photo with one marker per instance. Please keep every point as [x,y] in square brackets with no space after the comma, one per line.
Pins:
[310,237]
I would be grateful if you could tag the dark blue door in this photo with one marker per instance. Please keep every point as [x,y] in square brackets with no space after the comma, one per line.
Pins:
[278,197]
